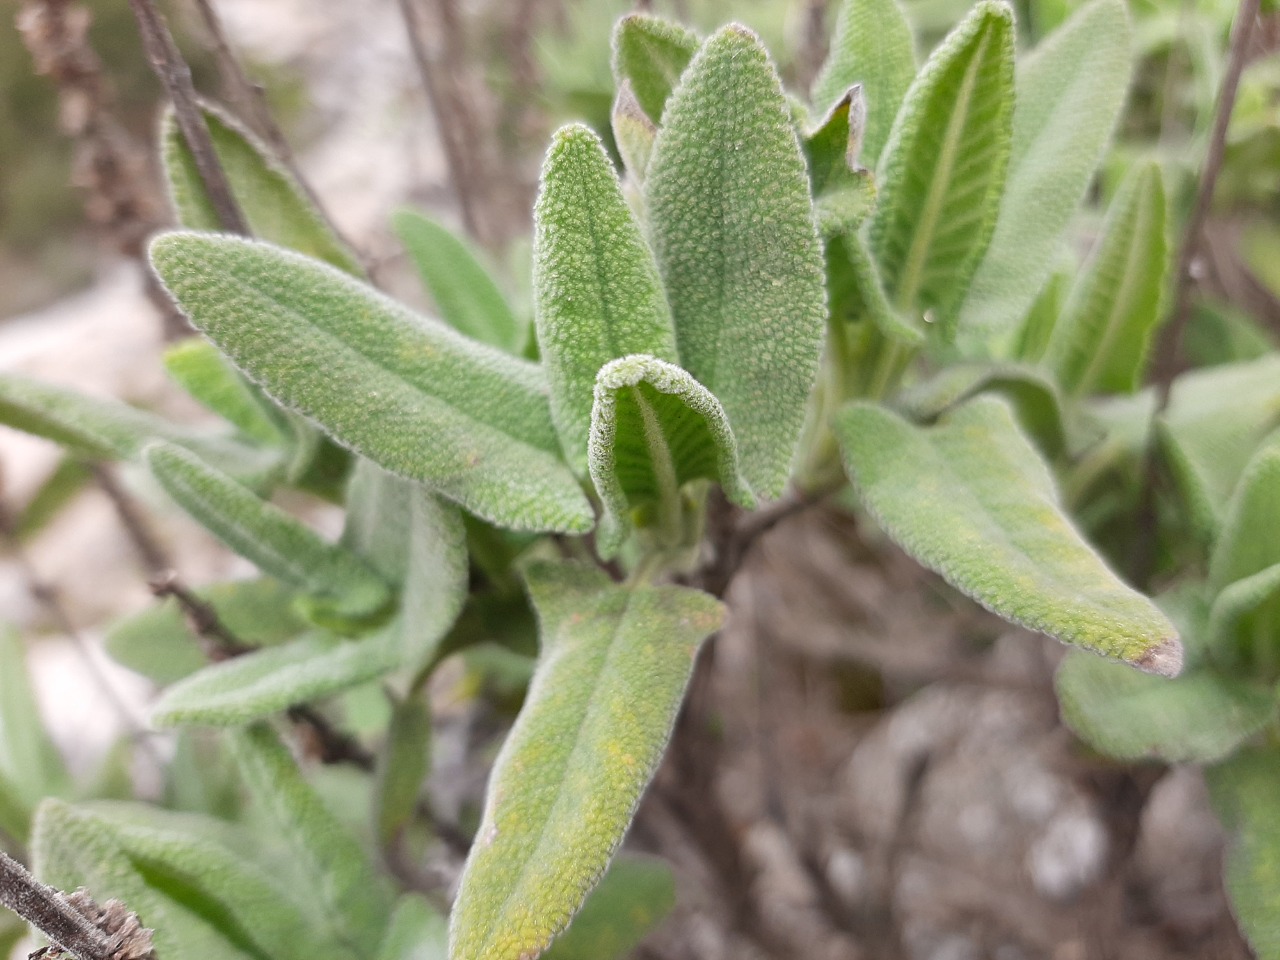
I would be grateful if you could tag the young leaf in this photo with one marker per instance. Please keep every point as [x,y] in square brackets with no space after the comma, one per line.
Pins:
[844,192]
[650,53]
[1100,341]
[409,393]
[631,900]
[276,208]
[462,288]
[1243,791]
[597,295]
[356,894]
[971,499]
[417,932]
[1070,91]
[204,373]
[267,536]
[734,236]
[653,429]
[872,46]
[104,428]
[615,662]
[943,169]
[402,766]
[259,684]
[30,766]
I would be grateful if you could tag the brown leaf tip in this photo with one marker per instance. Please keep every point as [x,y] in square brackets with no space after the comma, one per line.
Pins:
[1164,659]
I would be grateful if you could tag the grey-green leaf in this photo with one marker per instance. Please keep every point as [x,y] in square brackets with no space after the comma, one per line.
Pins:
[459,283]
[402,765]
[613,670]
[733,231]
[265,682]
[633,898]
[204,373]
[943,170]
[597,295]
[653,429]
[650,53]
[264,534]
[1244,791]
[417,932]
[1100,341]
[408,392]
[971,499]
[276,208]
[356,895]
[30,766]
[1070,91]
[872,46]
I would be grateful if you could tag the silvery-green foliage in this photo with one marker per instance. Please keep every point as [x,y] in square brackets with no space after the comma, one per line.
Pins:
[203,372]
[649,54]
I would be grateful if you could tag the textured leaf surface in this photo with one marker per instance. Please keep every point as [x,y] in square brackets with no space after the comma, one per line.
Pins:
[264,682]
[631,900]
[417,932]
[971,499]
[275,542]
[461,286]
[943,169]
[204,373]
[105,428]
[733,232]
[159,644]
[356,894]
[653,429]
[597,295]
[408,392]
[1243,791]
[650,53]
[1070,91]
[1100,341]
[275,207]
[872,46]
[613,669]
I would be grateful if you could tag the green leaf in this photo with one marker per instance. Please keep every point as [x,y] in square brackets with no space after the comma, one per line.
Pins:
[265,682]
[407,392]
[275,207]
[971,499]
[654,429]
[264,534]
[650,53]
[943,170]
[30,765]
[631,900]
[615,662]
[1100,342]
[1036,330]
[1070,91]
[597,295]
[734,236]
[844,192]
[1243,791]
[204,373]
[61,487]
[159,644]
[872,46]
[356,895]
[463,289]
[1247,544]
[862,297]
[633,132]
[417,932]
[104,428]
[403,764]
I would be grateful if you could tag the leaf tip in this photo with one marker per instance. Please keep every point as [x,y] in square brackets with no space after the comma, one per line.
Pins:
[1164,659]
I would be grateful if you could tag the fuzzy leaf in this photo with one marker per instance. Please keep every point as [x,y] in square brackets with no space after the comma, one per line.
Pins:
[264,534]
[1243,791]
[971,499]
[276,208]
[614,665]
[30,766]
[1100,341]
[356,895]
[844,192]
[159,644]
[734,236]
[403,764]
[653,429]
[463,289]
[103,428]
[264,682]
[631,900]
[873,47]
[417,932]
[597,295]
[943,169]
[204,373]
[409,393]
[650,53]
[1070,91]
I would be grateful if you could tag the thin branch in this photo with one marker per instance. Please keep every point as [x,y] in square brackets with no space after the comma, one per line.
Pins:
[217,641]
[153,555]
[47,909]
[175,75]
